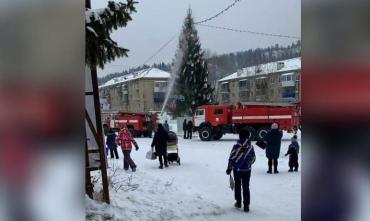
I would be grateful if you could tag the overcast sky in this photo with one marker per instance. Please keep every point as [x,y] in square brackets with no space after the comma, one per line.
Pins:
[156,21]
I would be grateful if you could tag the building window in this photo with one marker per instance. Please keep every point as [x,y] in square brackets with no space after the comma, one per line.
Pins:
[288,93]
[225,98]
[243,85]
[286,77]
[160,86]
[159,97]
[225,87]
[243,96]
[261,83]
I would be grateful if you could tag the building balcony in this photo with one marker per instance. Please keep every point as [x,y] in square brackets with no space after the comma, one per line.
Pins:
[224,90]
[290,83]
[261,98]
[243,88]
[160,89]
[288,97]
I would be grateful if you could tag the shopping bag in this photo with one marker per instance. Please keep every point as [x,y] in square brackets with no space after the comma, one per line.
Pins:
[150,155]
[232,183]
[261,144]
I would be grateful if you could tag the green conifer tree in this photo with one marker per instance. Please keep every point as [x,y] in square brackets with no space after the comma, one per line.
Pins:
[190,68]
[100,48]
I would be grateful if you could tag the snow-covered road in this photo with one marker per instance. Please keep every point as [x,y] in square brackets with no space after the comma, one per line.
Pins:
[198,189]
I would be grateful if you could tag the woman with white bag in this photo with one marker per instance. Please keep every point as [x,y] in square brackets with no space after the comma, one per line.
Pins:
[160,143]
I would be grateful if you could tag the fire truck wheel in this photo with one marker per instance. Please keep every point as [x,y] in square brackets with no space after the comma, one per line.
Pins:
[262,131]
[252,132]
[205,133]
[217,136]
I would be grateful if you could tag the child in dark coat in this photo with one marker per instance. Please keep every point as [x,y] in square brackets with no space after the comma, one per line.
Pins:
[111,143]
[293,152]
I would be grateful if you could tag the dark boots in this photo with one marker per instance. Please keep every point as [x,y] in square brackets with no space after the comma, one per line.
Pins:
[246,208]
[275,166]
[238,205]
[270,166]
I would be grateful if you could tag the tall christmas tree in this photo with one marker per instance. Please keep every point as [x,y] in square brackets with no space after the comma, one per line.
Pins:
[190,68]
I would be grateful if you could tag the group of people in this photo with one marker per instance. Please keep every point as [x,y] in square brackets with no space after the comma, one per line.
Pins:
[187,127]
[273,141]
[125,140]
[240,161]
[242,157]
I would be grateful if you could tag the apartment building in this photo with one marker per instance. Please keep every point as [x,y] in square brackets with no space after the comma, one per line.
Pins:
[273,82]
[140,91]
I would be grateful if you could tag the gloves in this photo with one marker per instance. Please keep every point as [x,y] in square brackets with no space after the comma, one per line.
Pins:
[136,147]
[228,171]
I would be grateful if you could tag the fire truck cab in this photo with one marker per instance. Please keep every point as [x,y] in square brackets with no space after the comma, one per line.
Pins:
[137,123]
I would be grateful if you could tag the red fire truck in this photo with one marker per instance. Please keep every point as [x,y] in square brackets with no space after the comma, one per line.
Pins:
[213,121]
[136,122]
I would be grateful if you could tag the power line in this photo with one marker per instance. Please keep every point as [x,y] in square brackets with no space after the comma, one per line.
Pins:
[156,53]
[160,49]
[218,14]
[153,55]
[250,32]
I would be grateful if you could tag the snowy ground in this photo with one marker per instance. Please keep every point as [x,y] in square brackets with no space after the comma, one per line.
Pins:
[198,189]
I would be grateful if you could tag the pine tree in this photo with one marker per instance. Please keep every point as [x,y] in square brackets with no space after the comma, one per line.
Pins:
[100,48]
[191,70]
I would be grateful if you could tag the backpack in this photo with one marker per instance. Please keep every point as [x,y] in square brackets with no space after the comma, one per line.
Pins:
[242,163]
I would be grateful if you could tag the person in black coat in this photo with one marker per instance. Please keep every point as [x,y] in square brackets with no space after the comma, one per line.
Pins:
[273,140]
[111,143]
[160,143]
[190,129]
[185,129]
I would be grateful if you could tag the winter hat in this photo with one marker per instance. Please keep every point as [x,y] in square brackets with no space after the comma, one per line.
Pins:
[294,137]
[274,126]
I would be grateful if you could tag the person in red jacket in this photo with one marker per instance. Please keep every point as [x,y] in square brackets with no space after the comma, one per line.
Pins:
[125,140]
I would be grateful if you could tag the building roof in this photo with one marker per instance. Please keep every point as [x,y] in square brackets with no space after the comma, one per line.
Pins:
[145,73]
[263,69]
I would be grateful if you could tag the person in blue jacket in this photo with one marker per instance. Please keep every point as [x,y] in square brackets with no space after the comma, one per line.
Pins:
[111,143]
[293,152]
[241,158]
[273,140]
